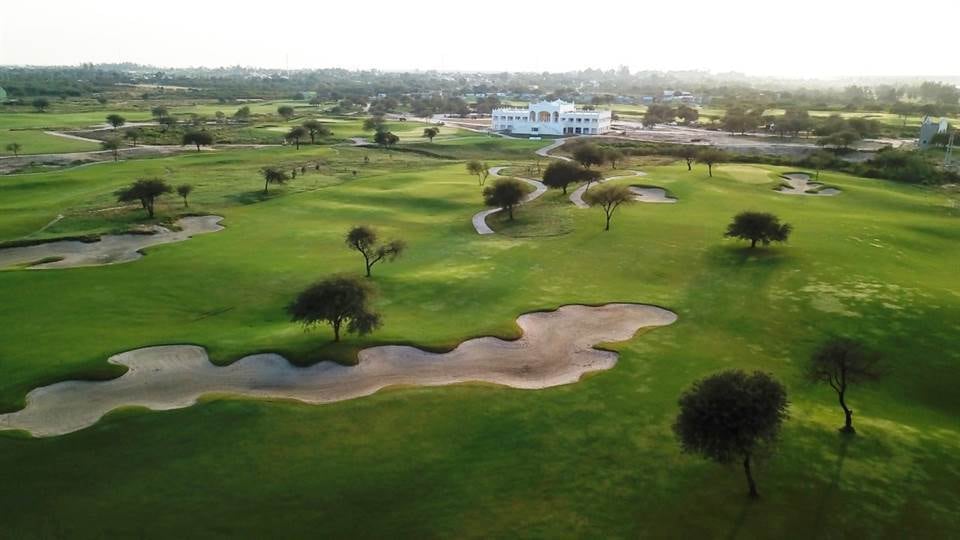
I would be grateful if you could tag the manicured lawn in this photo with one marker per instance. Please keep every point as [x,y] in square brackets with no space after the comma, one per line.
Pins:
[594,459]
[38,142]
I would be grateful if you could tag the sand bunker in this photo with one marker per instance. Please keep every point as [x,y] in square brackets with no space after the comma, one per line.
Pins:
[110,249]
[480,218]
[651,195]
[556,348]
[800,184]
[577,196]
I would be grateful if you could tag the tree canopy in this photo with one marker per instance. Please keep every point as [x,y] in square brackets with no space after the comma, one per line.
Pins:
[336,301]
[295,134]
[273,175]
[480,169]
[588,154]
[385,139]
[431,132]
[113,144]
[505,193]
[758,227]
[197,138]
[364,240]
[285,111]
[316,128]
[560,174]
[145,190]
[116,120]
[184,190]
[731,416]
[710,157]
[609,198]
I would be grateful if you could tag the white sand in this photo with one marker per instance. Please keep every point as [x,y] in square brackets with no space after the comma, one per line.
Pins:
[800,184]
[556,348]
[480,218]
[651,195]
[110,249]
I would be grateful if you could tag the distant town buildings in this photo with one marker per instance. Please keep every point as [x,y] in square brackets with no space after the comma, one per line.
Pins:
[550,118]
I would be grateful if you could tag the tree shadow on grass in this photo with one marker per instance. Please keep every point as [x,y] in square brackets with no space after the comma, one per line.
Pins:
[250,197]
[735,256]
[831,489]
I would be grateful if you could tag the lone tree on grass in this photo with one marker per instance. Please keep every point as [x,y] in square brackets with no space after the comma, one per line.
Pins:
[184,190]
[145,190]
[197,138]
[374,123]
[385,139]
[820,160]
[133,134]
[116,120]
[316,128]
[273,175]
[758,227]
[296,134]
[613,156]
[166,123]
[480,169]
[689,154]
[505,193]
[560,174]
[285,111]
[431,132]
[841,362]
[336,301]
[609,198]
[242,114]
[114,145]
[710,157]
[15,148]
[731,416]
[588,154]
[159,112]
[41,104]
[364,240]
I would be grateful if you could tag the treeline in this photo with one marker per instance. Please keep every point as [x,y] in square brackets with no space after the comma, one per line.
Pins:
[886,164]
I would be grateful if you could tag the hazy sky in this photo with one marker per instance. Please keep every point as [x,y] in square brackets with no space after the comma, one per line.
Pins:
[814,38]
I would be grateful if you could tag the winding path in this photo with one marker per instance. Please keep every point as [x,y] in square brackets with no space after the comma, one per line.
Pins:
[480,218]
[556,348]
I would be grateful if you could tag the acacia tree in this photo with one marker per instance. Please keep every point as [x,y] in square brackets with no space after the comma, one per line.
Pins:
[159,112]
[336,301]
[285,111]
[560,174]
[41,104]
[710,157]
[613,156]
[731,416]
[116,120]
[296,134]
[758,227]
[588,154]
[364,240]
[431,132]
[385,139]
[242,114]
[609,198]
[166,123]
[689,154]
[198,138]
[820,159]
[315,128]
[114,145]
[145,190]
[184,190]
[480,169]
[14,147]
[133,134]
[374,123]
[273,175]
[505,193]
[841,362]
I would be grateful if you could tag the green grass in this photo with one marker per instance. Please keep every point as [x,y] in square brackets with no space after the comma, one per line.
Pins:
[595,458]
[38,142]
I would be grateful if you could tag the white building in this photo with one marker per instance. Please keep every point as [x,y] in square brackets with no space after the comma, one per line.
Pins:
[550,118]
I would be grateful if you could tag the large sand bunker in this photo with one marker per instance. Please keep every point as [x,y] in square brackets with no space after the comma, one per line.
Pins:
[800,184]
[110,249]
[651,195]
[556,348]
